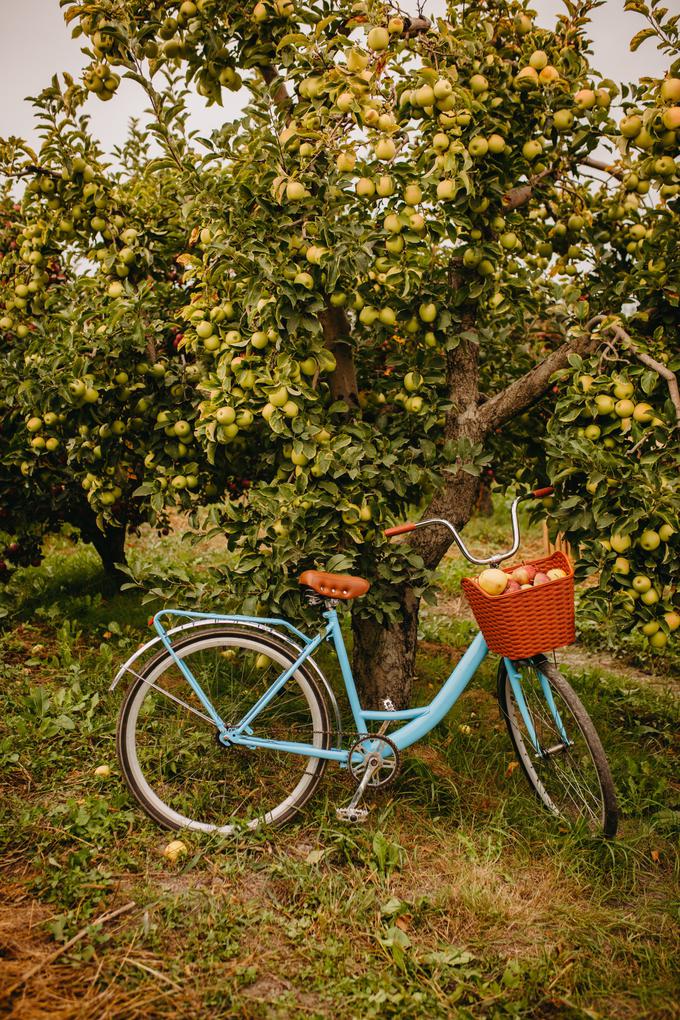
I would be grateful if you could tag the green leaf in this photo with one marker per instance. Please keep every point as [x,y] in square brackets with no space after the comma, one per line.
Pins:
[639,38]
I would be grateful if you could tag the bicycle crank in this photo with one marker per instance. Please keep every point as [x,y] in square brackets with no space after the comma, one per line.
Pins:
[373,762]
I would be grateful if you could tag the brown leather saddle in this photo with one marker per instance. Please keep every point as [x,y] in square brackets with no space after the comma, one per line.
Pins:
[334,586]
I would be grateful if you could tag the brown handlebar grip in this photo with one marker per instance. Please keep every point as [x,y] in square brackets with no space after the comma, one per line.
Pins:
[401,529]
[540,493]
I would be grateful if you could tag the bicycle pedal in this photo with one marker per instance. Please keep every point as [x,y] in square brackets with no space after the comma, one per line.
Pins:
[352,815]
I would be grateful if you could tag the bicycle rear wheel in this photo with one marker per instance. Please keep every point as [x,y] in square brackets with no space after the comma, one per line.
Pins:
[171,757]
[570,774]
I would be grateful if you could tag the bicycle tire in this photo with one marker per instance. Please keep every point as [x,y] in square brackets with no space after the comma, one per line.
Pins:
[228,642]
[599,809]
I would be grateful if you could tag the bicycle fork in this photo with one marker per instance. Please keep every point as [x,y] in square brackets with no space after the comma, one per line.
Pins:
[516,684]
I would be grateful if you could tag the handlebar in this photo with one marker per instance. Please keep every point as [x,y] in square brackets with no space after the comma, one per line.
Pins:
[402,529]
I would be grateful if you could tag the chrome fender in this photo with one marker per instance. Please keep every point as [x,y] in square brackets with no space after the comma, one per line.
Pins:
[292,645]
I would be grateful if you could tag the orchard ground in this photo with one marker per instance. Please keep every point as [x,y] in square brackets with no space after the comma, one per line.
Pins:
[459,897]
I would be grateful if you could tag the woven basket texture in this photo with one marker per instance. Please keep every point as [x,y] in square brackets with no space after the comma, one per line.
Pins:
[519,624]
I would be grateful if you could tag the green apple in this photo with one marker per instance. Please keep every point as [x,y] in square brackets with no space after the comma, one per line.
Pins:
[619,543]
[296,191]
[623,390]
[624,408]
[278,397]
[446,189]
[532,149]
[604,404]
[385,149]
[649,540]
[672,619]
[385,186]
[643,412]
[428,311]
[378,39]
[364,187]
[478,147]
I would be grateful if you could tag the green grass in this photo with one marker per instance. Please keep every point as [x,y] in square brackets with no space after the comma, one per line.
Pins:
[459,897]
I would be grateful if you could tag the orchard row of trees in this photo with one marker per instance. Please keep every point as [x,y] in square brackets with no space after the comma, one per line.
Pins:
[401,271]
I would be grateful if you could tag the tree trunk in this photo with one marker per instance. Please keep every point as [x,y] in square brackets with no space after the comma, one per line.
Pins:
[109,543]
[484,501]
[384,657]
[343,380]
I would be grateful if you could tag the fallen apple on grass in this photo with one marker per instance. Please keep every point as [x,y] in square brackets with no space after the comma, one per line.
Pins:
[174,850]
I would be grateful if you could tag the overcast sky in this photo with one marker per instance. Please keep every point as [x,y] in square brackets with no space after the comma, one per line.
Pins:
[35,43]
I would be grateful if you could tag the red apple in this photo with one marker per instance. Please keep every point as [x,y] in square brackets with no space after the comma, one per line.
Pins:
[513,585]
[521,575]
[541,579]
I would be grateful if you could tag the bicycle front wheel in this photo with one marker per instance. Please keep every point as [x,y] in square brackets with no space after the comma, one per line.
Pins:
[169,751]
[568,772]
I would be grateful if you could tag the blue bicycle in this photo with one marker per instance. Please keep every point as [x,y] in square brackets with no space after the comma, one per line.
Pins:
[230,722]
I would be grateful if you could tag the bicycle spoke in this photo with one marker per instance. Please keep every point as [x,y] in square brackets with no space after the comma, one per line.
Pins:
[567,779]
[188,772]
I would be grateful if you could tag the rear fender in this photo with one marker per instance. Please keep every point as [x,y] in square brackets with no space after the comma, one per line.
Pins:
[292,646]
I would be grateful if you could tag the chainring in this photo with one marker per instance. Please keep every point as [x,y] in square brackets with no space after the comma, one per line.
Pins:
[370,745]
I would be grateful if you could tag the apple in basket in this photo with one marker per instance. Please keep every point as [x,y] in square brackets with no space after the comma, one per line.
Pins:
[524,574]
[493,581]
[513,585]
[541,578]
[556,572]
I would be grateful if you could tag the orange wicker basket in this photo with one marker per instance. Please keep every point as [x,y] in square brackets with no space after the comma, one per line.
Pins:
[523,623]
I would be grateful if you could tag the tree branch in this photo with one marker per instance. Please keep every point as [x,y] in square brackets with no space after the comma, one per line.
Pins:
[526,390]
[598,164]
[519,196]
[627,342]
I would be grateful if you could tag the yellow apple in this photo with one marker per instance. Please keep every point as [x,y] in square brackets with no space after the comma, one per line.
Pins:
[174,850]
[493,581]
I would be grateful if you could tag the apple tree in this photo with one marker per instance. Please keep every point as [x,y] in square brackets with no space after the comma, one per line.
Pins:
[387,270]
[95,391]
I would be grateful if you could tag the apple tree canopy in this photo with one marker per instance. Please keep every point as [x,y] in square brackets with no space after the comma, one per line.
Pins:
[403,268]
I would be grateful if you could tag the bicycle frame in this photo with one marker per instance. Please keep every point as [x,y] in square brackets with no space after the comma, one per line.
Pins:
[416,722]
